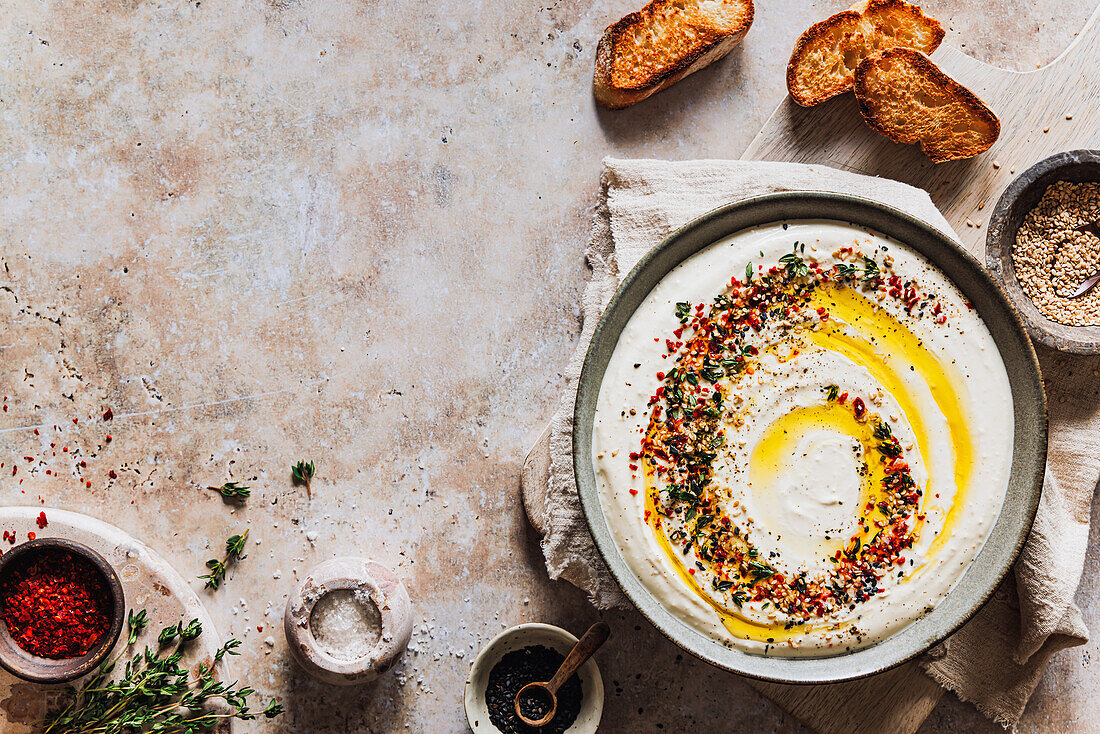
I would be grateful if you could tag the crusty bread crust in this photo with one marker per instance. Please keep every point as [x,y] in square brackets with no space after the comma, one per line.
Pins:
[862,31]
[958,125]
[846,22]
[619,90]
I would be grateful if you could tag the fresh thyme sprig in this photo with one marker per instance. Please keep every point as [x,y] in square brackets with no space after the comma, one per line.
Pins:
[793,262]
[234,547]
[232,491]
[155,694]
[303,474]
[868,272]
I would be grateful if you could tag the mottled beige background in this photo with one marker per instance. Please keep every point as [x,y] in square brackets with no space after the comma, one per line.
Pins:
[351,230]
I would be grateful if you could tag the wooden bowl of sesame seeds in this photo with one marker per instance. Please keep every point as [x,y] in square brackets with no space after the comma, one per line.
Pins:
[1041,249]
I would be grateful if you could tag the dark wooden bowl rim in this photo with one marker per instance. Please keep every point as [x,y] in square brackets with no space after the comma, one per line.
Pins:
[1021,196]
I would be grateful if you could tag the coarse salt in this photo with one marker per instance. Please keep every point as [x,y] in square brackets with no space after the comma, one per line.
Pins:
[346,623]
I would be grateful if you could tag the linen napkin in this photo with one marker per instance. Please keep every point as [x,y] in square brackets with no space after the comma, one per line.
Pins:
[995,660]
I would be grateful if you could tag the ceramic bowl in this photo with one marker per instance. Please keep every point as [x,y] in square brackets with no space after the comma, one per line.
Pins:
[1013,522]
[519,637]
[1019,198]
[27,666]
[384,590]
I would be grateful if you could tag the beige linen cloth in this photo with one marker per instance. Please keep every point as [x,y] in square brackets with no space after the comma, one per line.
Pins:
[994,661]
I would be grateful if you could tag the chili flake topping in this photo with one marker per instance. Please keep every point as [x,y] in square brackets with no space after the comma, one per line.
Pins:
[715,347]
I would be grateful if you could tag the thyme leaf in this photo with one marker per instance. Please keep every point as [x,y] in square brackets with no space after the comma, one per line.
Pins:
[232,490]
[795,265]
[303,474]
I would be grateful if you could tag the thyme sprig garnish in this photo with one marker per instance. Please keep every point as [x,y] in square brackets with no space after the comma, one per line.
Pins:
[795,266]
[303,474]
[156,694]
[234,551]
[868,271]
[232,490]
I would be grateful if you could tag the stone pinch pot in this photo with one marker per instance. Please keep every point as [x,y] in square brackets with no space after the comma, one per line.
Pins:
[1021,196]
[386,592]
[29,667]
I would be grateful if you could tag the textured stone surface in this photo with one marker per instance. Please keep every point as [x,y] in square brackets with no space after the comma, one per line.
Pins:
[351,231]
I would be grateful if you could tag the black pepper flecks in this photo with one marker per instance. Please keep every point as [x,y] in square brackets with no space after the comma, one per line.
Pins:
[517,669]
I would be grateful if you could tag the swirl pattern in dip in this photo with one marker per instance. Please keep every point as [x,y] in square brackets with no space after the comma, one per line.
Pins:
[788,438]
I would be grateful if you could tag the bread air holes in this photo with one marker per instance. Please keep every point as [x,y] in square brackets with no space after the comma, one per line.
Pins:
[924,99]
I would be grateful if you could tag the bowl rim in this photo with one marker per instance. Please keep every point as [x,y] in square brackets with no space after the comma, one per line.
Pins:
[474,696]
[1013,523]
[999,242]
[345,573]
[26,666]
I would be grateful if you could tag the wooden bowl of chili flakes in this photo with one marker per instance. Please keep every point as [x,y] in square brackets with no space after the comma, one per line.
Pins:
[62,609]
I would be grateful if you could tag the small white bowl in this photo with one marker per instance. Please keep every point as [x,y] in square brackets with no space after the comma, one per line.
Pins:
[517,638]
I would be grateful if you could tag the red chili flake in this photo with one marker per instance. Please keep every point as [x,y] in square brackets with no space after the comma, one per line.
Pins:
[633,491]
[660,375]
[30,535]
[108,414]
[55,604]
[112,474]
[858,407]
[108,438]
[87,484]
[843,397]
[41,520]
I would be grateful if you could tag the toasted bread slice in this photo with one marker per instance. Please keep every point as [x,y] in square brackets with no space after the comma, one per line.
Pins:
[825,57]
[662,43]
[904,96]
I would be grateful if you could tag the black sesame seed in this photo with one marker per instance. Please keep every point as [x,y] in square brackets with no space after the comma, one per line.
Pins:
[515,670]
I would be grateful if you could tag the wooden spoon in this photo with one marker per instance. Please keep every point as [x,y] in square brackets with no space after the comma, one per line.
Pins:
[1088,283]
[578,656]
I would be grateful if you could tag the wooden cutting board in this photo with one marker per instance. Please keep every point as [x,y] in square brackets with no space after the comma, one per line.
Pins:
[1042,112]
